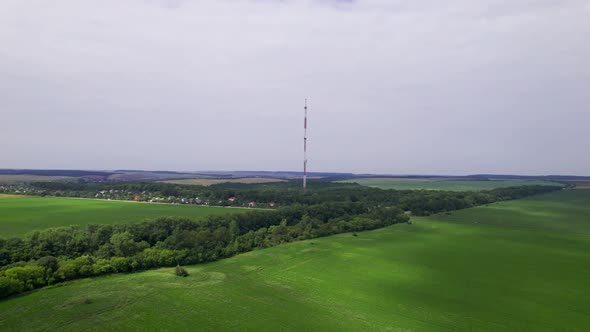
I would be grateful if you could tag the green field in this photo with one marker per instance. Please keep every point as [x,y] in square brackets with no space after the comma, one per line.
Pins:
[445,184]
[511,266]
[22,214]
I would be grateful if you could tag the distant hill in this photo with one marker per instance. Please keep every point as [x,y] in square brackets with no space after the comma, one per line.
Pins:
[145,175]
[54,172]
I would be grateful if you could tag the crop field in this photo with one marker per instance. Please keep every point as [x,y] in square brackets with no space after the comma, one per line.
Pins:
[151,176]
[25,178]
[511,266]
[22,214]
[209,182]
[442,184]
[582,184]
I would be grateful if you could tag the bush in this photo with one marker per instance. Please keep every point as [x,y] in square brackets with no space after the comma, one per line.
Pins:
[102,266]
[119,264]
[9,286]
[180,271]
[48,262]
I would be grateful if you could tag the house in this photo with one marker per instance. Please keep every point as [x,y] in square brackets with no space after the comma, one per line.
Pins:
[136,198]
[232,198]
[252,204]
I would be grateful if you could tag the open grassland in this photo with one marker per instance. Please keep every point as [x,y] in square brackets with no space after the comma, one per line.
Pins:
[22,214]
[443,184]
[511,266]
[209,182]
[24,178]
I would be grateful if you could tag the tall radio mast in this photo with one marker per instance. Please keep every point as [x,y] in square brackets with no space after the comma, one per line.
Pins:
[305,148]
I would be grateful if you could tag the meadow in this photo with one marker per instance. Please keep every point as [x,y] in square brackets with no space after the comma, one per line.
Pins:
[443,184]
[511,266]
[22,214]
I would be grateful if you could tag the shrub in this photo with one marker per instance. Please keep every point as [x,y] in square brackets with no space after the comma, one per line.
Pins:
[180,271]
[9,286]
[119,264]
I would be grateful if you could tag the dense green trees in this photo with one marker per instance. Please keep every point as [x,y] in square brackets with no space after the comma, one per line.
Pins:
[420,202]
[60,254]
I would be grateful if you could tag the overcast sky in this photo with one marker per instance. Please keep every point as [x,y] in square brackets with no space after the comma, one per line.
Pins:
[404,87]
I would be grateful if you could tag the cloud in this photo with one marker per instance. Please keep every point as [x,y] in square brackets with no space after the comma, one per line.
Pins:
[394,86]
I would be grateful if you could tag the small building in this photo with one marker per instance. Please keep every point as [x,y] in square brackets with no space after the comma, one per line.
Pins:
[232,198]
[136,198]
[252,204]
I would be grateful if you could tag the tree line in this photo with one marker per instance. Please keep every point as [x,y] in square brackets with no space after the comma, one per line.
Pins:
[420,202]
[60,254]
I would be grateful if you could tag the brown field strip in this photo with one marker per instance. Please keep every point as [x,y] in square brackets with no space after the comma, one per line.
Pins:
[11,179]
[209,182]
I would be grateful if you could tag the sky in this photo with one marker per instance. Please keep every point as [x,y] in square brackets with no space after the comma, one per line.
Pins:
[400,87]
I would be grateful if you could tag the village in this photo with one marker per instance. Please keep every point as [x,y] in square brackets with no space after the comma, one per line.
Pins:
[143,196]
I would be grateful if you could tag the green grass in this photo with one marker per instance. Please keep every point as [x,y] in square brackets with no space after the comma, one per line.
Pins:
[511,266]
[444,184]
[22,214]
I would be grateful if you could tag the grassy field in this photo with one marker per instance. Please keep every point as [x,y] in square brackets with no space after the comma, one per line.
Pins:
[22,214]
[511,266]
[445,184]
[209,182]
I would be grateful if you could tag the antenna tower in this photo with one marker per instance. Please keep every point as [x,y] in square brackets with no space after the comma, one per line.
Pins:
[305,148]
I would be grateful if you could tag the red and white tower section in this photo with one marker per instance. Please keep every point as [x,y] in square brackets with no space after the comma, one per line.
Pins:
[305,147]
